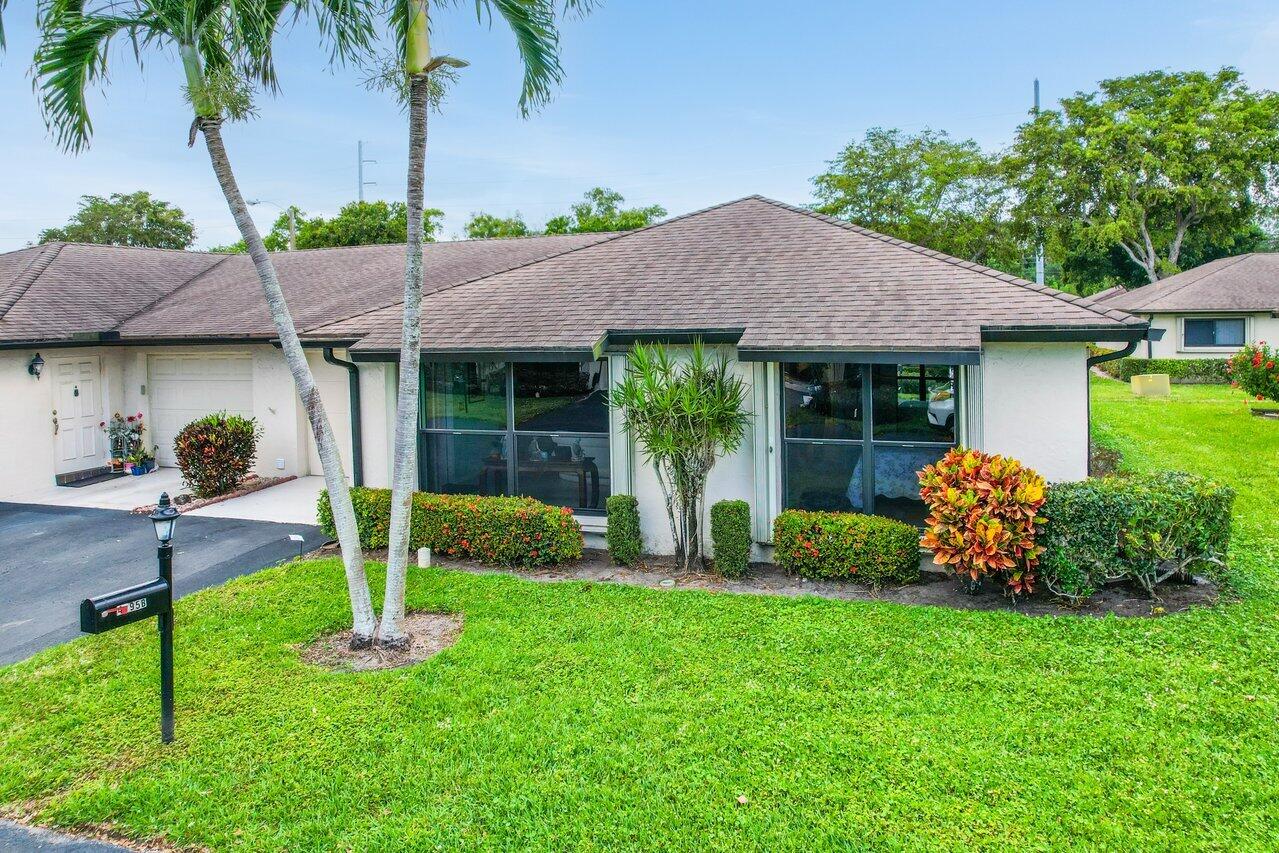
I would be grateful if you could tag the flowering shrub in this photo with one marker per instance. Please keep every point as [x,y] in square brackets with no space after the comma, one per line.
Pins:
[983,516]
[215,452]
[496,530]
[1253,370]
[844,545]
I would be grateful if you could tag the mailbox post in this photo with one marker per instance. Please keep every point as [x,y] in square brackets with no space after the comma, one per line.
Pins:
[153,598]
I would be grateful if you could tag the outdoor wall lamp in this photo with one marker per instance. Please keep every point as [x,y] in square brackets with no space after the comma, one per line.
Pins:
[35,366]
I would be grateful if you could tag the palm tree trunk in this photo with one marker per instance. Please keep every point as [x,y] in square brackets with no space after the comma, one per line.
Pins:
[364,623]
[404,476]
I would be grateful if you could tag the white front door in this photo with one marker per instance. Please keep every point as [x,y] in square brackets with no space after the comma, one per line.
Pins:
[77,413]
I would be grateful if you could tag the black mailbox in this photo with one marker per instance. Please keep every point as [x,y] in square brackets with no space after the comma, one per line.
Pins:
[123,606]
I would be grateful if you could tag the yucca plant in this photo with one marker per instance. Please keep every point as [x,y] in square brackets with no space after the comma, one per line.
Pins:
[225,50]
[685,414]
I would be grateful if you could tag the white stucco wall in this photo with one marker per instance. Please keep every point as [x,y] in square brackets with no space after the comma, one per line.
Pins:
[732,478]
[1260,326]
[27,451]
[26,425]
[1034,405]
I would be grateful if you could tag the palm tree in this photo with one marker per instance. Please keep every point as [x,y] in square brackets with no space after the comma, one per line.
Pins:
[533,23]
[225,48]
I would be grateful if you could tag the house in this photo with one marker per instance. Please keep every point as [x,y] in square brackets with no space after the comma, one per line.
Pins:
[865,356]
[1206,312]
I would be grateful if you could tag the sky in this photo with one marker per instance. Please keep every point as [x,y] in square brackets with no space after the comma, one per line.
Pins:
[683,104]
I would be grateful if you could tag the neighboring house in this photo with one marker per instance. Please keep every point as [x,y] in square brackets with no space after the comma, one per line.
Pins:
[1207,312]
[865,357]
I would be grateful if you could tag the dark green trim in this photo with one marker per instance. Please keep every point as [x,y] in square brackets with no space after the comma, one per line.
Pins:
[573,355]
[357,431]
[100,339]
[621,340]
[1063,334]
[861,356]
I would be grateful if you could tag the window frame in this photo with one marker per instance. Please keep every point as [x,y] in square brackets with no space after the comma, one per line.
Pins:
[510,433]
[867,442]
[1216,348]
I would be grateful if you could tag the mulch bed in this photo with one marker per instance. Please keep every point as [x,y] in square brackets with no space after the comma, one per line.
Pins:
[428,633]
[935,588]
[252,483]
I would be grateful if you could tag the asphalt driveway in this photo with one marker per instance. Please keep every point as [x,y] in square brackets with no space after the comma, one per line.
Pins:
[52,557]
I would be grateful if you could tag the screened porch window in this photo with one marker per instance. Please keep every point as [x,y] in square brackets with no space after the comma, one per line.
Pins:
[855,434]
[538,429]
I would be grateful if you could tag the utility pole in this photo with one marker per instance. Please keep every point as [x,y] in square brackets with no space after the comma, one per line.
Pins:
[1039,250]
[360,183]
[293,219]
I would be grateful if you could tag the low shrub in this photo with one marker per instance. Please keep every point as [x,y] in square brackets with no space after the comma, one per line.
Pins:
[983,516]
[624,540]
[494,530]
[1252,370]
[731,537]
[216,452]
[1181,371]
[1144,529]
[841,545]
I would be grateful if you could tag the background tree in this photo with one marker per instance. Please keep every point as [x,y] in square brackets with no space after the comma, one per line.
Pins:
[411,71]
[928,189]
[1147,163]
[483,226]
[360,223]
[126,219]
[684,415]
[601,210]
[225,49]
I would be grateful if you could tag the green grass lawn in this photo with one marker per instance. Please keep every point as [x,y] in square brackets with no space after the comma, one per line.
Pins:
[593,716]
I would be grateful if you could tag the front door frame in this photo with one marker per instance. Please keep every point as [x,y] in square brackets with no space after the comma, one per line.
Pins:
[83,466]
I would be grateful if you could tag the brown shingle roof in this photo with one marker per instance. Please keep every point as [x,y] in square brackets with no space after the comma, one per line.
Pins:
[61,289]
[1240,283]
[53,291]
[792,279]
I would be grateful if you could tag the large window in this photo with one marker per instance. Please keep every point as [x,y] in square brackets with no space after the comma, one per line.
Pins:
[536,429]
[855,434]
[1213,332]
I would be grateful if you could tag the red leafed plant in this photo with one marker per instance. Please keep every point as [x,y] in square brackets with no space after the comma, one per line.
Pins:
[1253,370]
[983,516]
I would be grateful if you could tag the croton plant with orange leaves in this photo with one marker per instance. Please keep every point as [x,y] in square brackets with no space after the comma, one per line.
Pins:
[983,516]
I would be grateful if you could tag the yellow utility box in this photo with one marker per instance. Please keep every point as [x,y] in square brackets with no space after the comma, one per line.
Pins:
[1151,385]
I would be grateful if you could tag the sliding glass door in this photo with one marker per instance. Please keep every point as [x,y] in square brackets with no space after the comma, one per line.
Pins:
[538,429]
[855,434]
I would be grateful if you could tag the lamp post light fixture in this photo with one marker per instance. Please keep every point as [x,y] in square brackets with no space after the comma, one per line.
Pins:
[293,219]
[165,518]
[35,365]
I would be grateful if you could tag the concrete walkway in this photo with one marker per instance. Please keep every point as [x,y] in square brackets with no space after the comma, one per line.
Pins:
[288,503]
[16,837]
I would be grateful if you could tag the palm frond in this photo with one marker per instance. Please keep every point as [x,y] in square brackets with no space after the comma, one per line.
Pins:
[532,22]
[71,57]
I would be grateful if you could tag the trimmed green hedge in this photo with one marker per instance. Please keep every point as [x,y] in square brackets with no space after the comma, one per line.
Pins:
[623,537]
[1143,529]
[867,548]
[1181,371]
[731,537]
[498,531]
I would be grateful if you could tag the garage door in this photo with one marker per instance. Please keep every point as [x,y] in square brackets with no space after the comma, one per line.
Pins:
[185,387]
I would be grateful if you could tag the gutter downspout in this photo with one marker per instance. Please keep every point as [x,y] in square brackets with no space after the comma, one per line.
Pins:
[357,433]
[1092,361]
